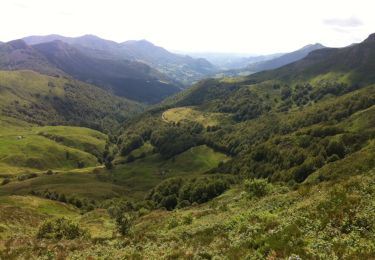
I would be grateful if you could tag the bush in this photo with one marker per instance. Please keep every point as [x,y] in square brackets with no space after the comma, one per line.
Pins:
[173,222]
[49,172]
[5,181]
[336,147]
[27,176]
[58,229]
[187,220]
[123,224]
[257,187]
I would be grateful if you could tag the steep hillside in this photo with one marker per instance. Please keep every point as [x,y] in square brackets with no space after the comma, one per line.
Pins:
[41,99]
[180,68]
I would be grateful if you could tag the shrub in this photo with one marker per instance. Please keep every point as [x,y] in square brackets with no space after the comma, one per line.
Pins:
[49,172]
[58,229]
[27,176]
[173,222]
[123,224]
[187,219]
[257,187]
[5,181]
[336,147]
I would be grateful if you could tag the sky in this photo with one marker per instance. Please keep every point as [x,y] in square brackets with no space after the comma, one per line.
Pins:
[231,26]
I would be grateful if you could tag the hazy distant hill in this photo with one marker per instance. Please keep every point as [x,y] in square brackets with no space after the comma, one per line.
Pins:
[284,59]
[17,55]
[356,61]
[229,61]
[181,68]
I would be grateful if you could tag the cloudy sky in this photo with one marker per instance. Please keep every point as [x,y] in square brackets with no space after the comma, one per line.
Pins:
[241,26]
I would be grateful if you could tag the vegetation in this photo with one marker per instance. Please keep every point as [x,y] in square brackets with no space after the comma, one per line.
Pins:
[275,165]
[59,229]
[46,100]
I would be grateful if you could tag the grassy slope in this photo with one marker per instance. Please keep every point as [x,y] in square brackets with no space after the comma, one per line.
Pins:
[41,99]
[143,174]
[190,114]
[133,179]
[326,220]
[23,148]
[21,215]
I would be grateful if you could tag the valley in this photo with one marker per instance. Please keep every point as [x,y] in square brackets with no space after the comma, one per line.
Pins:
[106,153]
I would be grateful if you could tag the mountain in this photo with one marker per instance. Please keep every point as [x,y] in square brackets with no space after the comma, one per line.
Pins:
[354,63]
[284,59]
[232,61]
[131,79]
[275,165]
[17,55]
[181,68]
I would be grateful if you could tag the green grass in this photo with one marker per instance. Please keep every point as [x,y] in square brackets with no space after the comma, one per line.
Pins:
[81,185]
[190,114]
[25,148]
[37,98]
[21,216]
[143,174]
[76,137]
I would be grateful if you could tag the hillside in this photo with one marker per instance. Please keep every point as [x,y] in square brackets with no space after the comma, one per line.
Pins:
[46,100]
[354,63]
[180,68]
[276,165]
[125,78]
[130,79]
[17,55]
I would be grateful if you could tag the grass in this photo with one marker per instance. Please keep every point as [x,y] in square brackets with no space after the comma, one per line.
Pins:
[83,185]
[76,137]
[143,174]
[21,216]
[190,114]
[25,147]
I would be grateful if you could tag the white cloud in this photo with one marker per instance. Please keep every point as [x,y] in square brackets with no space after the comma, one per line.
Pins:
[255,26]
[344,22]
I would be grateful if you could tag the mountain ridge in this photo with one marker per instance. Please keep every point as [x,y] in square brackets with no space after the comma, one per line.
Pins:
[143,50]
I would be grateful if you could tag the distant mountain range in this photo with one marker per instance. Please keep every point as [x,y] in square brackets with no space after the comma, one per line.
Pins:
[181,68]
[284,59]
[250,65]
[230,61]
[356,61]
